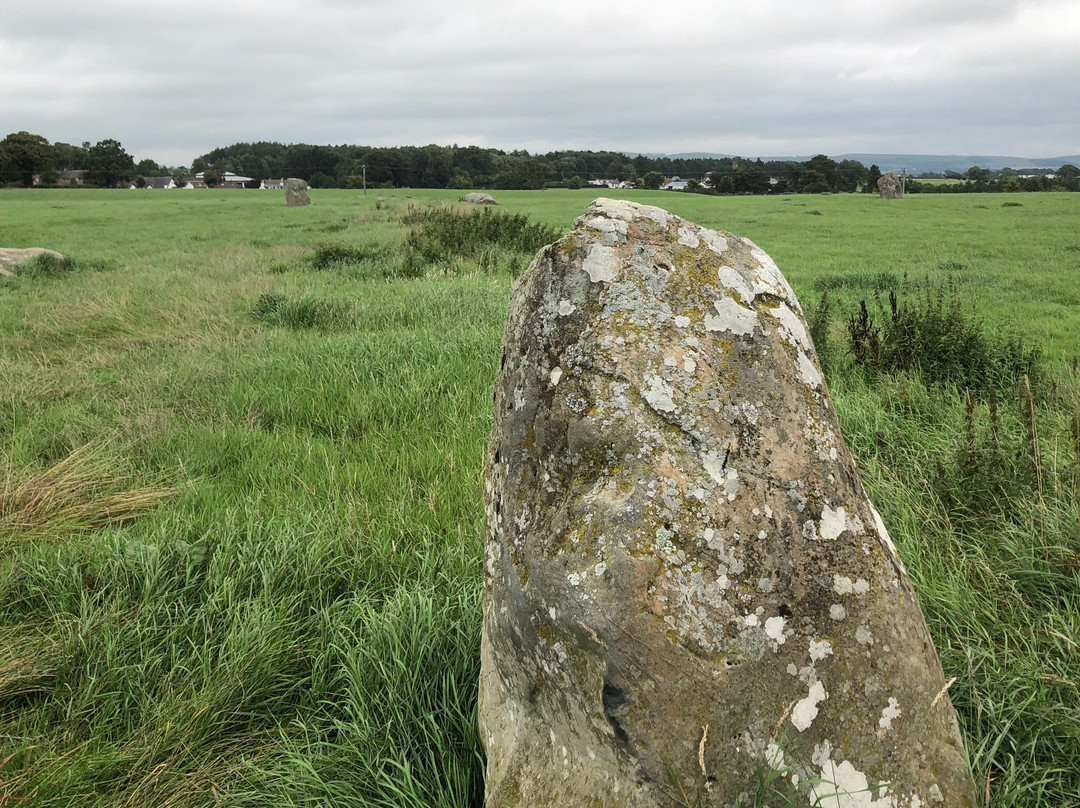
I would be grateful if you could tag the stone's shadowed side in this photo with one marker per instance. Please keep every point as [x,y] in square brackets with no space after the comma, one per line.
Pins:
[678,539]
[296,193]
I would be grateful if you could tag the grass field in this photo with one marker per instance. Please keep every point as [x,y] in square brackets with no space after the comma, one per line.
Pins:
[240,520]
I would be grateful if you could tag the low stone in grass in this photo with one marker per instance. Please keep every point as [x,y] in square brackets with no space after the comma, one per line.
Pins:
[479,199]
[296,193]
[890,186]
[10,257]
[686,585]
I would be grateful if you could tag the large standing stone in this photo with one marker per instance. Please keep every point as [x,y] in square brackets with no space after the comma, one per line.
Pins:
[11,256]
[890,186]
[685,582]
[296,193]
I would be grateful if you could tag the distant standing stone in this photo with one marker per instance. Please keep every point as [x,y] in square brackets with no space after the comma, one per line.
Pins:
[890,186]
[479,199]
[685,582]
[296,193]
[10,256]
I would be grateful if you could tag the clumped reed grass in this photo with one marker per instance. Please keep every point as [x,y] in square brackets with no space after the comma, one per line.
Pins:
[81,492]
[302,312]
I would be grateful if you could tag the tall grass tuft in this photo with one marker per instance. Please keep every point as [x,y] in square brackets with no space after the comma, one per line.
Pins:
[83,491]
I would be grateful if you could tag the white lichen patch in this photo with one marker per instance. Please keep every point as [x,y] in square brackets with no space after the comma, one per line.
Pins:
[689,365]
[774,757]
[808,372]
[658,394]
[714,464]
[885,537]
[555,377]
[819,649]
[843,585]
[688,238]
[682,321]
[612,231]
[843,786]
[837,612]
[891,712]
[791,327]
[566,308]
[774,629]
[621,209]
[771,278]
[730,316]
[864,636]
[833,522]
[600,263]
[519,400]
[806,710]
[735,282]
[714,241]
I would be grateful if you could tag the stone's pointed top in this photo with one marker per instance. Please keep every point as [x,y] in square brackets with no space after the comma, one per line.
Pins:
[625,210]
[678,538]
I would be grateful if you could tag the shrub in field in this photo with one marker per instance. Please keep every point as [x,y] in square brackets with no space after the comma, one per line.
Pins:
[439,232]
[933,335]
[303,312]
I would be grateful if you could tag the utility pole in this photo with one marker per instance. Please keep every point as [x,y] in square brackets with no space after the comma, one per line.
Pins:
[363,167]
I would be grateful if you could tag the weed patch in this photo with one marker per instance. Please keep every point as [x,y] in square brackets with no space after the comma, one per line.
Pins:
[933,335]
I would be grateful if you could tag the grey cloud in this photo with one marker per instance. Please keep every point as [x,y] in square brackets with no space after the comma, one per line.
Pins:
[775,76]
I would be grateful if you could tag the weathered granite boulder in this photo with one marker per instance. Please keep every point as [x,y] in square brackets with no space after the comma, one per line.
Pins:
[479,199]
[890,186]
[10,256]
[685,581]
[296,193]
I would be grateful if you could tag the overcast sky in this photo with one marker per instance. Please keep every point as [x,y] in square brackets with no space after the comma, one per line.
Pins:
[754,77]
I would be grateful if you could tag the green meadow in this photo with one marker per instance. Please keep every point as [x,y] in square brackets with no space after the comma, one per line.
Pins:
[241,471]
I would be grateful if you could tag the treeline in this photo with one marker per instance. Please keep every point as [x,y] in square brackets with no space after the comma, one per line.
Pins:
[474,167]
[1007,180]
[27,158]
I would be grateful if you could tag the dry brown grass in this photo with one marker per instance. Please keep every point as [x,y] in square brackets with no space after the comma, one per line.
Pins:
[88,489]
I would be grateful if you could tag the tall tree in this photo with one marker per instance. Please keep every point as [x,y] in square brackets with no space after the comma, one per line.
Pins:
[22,155]
[872,176]
[108,164]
